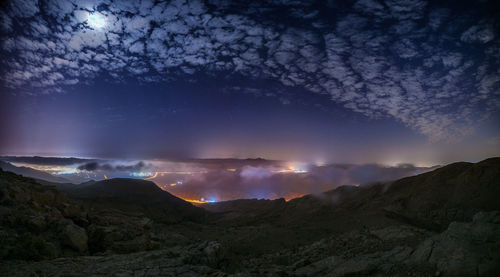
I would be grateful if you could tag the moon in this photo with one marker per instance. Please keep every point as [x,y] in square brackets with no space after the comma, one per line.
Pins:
[96,20]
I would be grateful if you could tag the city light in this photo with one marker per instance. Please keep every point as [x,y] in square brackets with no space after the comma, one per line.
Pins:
[141,174]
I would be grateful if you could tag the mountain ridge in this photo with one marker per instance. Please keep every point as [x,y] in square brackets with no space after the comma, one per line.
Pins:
[32,173]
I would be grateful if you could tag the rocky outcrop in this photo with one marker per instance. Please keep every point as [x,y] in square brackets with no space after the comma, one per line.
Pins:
[39,222]
[359,253]
[115,231]
[34,223]
[209,253]
[464,249]
[382,262]
[75,237]
[176,261]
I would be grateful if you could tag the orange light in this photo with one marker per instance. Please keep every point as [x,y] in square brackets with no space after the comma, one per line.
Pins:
[293,197]
[152,177]
[196,201]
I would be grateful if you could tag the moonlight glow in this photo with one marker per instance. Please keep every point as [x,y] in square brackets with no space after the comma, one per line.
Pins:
[96,20]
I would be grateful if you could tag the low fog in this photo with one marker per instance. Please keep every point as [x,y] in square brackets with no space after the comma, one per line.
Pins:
[277,181]
[225,179]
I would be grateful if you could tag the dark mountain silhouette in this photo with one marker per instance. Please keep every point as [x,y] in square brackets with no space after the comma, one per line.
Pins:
[430,200]
[32,173]
[135,191]
[44,160]
[458,185]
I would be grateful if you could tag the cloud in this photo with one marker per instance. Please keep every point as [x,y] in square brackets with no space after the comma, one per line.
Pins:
[99,166]
[274,179]
[432,68]
[255,172]
[92,166]
[226,179]
[24,8]
[482,33]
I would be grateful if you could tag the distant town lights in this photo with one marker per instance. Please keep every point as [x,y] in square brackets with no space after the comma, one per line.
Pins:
[141,174]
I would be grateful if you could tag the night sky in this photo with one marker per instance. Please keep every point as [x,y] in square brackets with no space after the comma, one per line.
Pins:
[335,81]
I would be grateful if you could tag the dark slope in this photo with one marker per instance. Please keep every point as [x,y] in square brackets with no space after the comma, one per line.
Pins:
[34,220]
[430,200]
[128,189]
[31,173]
[38,221]
[451,193]
[458,185]
[139,192]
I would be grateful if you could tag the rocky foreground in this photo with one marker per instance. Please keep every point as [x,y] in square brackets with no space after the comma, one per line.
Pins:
[441,223]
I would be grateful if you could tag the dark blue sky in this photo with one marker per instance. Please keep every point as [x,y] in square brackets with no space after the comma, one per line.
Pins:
[192,120]
[347,81]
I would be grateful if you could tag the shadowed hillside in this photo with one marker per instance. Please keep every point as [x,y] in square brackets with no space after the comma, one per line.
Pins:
[155,201]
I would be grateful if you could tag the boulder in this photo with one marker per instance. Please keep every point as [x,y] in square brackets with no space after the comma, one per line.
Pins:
[213,253]
[75,237]
[36,223]
[208,253]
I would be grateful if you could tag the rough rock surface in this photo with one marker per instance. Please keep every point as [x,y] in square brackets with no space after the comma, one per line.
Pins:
[464,249]
[39,222]
[32,220]
[75,237]
[172,262]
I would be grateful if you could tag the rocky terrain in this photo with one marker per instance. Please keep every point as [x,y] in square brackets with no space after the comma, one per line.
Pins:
[441,223]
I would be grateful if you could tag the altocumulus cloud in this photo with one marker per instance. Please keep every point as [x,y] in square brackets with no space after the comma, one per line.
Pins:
[435,69]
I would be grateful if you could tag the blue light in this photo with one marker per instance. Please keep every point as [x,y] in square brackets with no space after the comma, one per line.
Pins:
[141,174]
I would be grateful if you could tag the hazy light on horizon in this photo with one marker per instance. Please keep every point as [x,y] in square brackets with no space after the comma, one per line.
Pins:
[220,180]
